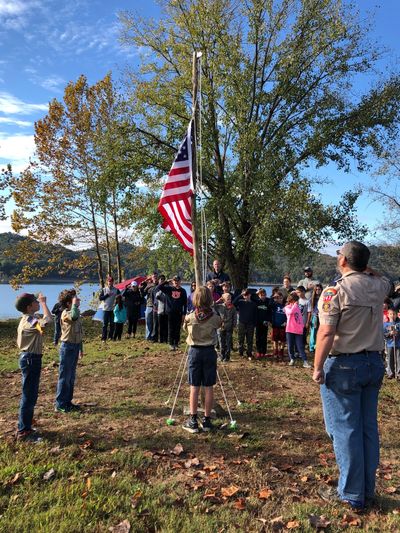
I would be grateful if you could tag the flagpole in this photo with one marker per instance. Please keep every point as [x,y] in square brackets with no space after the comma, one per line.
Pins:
[196,250]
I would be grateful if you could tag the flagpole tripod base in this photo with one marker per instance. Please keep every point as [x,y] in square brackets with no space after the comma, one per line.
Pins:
[170,421]
[233,424]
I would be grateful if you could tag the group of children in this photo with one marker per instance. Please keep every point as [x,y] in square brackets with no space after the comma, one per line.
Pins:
[391,333]
[30,343]
[289,314]
[213,313]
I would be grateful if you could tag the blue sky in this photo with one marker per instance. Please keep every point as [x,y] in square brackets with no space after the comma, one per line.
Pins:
[44,44]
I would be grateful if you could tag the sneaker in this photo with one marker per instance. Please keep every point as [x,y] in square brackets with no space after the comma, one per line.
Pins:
[191,425]
[172,348]
[291,362]
[206,424]
[61,409]
[74,407]
[257,355]
[306,364]
[28,436]
[330,495]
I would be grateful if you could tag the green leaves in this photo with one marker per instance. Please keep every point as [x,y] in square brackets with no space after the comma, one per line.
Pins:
[276,97]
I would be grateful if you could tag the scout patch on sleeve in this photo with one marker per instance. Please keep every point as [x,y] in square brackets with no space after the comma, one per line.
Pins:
[32,321]
[326,306]
[328,294]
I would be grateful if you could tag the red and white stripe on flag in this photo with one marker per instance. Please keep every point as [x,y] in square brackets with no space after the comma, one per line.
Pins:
[175,204]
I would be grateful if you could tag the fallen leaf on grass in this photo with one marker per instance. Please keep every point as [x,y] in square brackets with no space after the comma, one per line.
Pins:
[49,474]
[240,504]
[350,520]
[85,445]
[114,474]
[122,527]
[178,450]
[88,483]
[210,468]
[229,491]
[293,524]
[56,450]
[177,466]
[14,479]
[264,494]
[304,479]
[277,523]
[192,462]
[136,498]
[319,522]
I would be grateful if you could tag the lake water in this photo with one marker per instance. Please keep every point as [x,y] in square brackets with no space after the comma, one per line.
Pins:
[86,294]
[51,291]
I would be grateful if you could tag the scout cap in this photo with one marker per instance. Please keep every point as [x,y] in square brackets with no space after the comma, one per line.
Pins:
[176,278]
[356,254]
[307,269]
[23,300]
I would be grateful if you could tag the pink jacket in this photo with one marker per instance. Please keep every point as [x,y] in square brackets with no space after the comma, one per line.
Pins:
[294,323]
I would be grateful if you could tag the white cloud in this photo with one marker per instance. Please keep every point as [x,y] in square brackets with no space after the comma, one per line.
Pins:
[14,14]
[13,8]
[17,150]
[53,83]
[10,104]
[15,122]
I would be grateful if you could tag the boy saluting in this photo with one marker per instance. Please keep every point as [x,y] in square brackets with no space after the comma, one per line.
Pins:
[30,343]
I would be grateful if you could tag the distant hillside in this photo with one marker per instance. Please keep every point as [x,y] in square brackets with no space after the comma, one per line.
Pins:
[385,259]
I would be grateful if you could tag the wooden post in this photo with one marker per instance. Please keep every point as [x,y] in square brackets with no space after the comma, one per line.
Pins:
[196,251]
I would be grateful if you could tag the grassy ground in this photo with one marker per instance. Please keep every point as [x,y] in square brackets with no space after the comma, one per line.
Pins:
[117,464]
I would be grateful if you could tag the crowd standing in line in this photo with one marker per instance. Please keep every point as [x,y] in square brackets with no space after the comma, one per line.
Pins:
[292,316]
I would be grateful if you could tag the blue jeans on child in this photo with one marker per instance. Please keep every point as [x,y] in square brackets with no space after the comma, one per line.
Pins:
[350,403]
[295,341]
[69,353]
[31,366]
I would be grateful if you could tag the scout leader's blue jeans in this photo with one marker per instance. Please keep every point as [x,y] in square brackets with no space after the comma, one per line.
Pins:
[350,404]
[69,354]
[31,366]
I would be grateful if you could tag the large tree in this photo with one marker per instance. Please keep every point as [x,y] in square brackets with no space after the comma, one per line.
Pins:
[78,189]
[385,190]
[278,101]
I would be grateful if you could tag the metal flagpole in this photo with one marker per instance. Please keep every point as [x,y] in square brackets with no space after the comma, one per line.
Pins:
[196,251]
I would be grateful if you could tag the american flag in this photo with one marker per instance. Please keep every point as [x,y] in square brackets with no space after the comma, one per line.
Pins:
[175,204]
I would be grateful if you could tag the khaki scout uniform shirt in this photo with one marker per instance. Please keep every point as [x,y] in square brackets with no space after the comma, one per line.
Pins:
[30,333]
[71,329]
[355,306]
[202,332]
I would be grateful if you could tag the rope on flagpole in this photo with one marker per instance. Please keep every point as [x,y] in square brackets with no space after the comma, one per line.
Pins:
[199,180]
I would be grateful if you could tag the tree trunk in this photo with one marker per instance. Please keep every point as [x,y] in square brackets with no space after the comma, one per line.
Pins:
[107,244]
[238,270]
[117,251]
[97,246]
